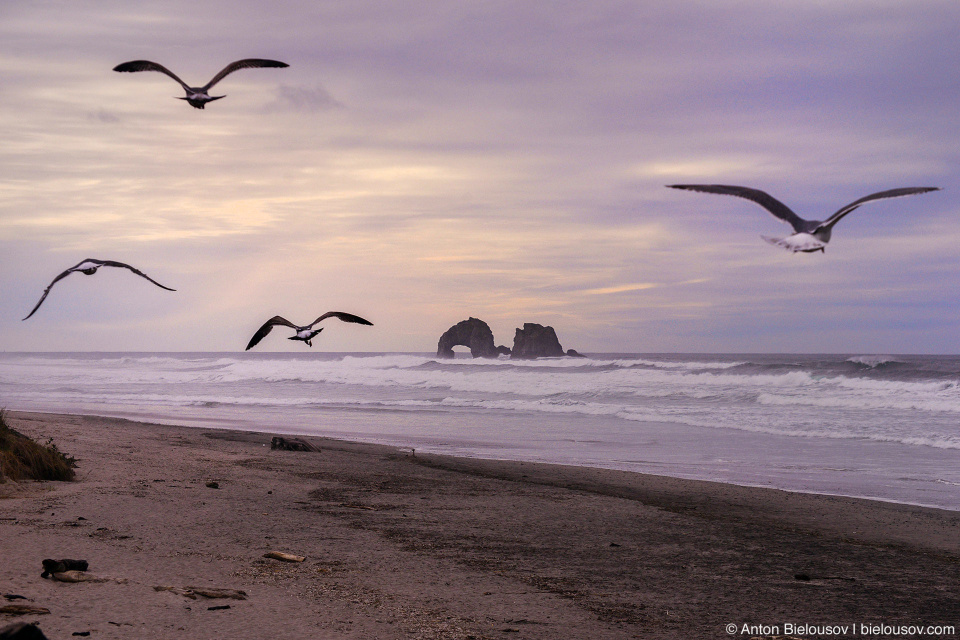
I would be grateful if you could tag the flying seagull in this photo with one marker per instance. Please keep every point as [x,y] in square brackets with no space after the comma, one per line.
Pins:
[89,267]
[199,96]
[305,333]
[809,235]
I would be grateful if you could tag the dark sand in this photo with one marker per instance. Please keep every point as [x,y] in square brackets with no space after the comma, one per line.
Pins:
[421,546]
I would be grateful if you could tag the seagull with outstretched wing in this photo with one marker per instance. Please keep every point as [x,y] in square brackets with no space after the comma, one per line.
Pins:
[305,333]
[199,96]
[809,235]
[89,267]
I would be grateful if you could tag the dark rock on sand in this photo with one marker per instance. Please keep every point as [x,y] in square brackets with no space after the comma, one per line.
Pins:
[536,341]
[21,631]
[62,566]
[291,444]
[474,334]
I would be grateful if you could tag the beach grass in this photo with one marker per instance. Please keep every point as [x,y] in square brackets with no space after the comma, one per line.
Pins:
[21,458]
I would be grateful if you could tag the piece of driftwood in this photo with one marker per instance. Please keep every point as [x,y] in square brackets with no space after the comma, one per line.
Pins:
[77,576]
[284,557]
[205,592]
[23,610]
[291,444]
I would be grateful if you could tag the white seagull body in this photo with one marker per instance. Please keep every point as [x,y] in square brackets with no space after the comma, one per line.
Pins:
[89,267]
[199,96]
[809,235]
[305,333]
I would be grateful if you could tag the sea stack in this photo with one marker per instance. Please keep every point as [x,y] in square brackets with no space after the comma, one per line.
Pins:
[472,333]
[536,341]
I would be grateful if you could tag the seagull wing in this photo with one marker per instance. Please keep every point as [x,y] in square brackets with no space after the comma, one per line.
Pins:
[762,198]
[50,286]
[248,63]
[267,327]
[340,315]
[146,65]
[880,195]
[111,263]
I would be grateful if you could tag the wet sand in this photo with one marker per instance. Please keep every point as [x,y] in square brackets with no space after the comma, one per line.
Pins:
[403,545]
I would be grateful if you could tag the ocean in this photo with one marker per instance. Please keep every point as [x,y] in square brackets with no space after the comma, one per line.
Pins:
[882,427]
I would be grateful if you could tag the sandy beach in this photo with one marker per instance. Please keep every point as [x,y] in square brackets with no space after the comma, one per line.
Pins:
[397,544]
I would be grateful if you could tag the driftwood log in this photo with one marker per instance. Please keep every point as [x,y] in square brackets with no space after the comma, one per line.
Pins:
[205,592]
[284,557]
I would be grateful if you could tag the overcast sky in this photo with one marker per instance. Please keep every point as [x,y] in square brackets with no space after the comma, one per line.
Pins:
[423,162]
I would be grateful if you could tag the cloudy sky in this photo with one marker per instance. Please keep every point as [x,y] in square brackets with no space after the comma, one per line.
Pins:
[422,162]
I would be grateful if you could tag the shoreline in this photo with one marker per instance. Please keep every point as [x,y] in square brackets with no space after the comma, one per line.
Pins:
[425,545]
[228,424]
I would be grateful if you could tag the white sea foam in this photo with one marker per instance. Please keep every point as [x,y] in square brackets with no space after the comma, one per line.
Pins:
[872,360]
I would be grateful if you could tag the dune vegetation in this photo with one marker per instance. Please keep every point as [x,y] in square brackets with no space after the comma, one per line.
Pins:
[21,458]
